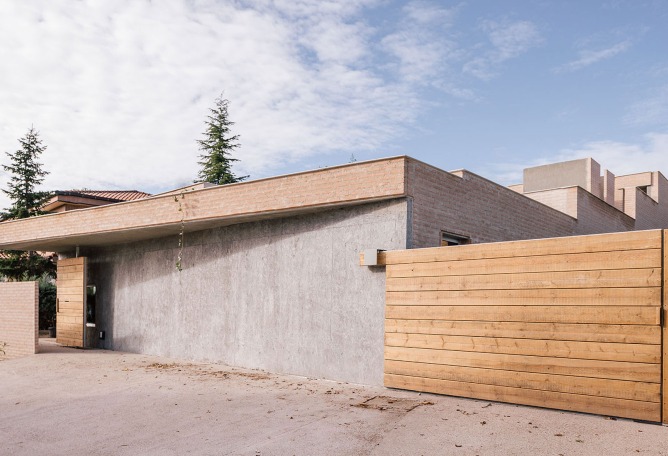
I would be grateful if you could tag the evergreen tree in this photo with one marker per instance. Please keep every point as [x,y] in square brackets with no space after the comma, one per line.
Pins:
[217,146]
[26,174]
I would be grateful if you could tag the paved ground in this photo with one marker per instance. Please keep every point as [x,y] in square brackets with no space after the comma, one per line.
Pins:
[74,402]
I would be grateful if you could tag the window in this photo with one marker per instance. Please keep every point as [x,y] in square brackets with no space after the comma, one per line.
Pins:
[453,239]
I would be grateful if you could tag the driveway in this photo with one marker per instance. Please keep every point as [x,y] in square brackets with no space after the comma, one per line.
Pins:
[67,401]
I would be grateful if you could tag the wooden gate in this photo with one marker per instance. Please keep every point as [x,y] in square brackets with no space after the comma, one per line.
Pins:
[568,323]
[70,302]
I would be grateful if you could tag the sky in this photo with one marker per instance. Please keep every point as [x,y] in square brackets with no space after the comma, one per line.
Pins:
[119,90]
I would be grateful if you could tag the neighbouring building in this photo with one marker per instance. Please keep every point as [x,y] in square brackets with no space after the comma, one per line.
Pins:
[68,200]
[266,274]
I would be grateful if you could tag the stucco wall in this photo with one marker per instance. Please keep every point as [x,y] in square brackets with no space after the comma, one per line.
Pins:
[18,318]
[284,295]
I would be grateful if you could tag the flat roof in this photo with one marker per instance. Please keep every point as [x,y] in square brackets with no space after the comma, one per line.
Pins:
[163,215]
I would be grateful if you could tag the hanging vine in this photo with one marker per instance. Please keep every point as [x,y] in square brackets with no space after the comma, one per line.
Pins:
[179,259]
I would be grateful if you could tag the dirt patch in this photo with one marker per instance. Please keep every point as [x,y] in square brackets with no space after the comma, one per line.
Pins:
[205,372]
[391,404]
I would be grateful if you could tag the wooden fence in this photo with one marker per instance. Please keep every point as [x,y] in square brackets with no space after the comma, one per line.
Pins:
[568,323]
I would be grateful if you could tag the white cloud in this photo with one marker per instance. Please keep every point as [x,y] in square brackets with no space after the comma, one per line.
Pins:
[419,46]
[651,111]
[508,40]
[587,57]
[119,90]
[650,154]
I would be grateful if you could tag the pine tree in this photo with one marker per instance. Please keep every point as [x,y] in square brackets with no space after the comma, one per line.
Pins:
[26,174]
[217,146]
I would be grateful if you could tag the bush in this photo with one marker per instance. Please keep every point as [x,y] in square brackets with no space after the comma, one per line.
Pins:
[47,304]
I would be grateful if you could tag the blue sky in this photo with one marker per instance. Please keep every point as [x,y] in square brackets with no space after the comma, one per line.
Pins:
[119,90]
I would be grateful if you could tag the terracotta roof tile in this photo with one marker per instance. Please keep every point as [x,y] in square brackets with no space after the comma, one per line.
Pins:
[120,195]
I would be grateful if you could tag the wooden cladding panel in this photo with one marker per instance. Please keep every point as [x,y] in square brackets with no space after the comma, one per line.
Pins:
[71,295]
[568,323]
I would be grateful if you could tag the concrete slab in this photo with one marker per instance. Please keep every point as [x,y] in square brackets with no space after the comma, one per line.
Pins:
[68,401]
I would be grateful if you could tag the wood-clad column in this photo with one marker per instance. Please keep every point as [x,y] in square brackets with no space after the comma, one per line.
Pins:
[70,302]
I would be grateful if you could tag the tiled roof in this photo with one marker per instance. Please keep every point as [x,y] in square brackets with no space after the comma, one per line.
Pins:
[120,195]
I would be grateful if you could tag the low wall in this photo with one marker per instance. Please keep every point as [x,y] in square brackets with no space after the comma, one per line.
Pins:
[19,304]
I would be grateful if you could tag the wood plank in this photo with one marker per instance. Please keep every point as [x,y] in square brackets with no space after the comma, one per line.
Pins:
[647,296]
[62,275]
[633,240]
[649,411]
[620,389]
[638,353]
[71,333]
[626,259]
[64,319]
[665,331]
[69,288]
[70,342]
[635,372]
[621,278]
[619,315]
[69,311]
[633,334]
[68,269]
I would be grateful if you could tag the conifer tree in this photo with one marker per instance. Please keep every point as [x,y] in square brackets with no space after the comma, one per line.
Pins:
[217,146]
[26,174]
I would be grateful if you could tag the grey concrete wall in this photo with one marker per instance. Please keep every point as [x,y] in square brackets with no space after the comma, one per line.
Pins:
[284,295]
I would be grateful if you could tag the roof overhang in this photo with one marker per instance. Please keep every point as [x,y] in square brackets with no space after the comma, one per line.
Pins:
[165,215]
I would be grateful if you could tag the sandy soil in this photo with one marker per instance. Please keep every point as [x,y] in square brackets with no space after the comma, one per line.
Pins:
[74,402]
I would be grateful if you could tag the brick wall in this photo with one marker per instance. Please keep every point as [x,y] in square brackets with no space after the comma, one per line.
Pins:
[469,205]
[562,199]
[18,318]
[596,216]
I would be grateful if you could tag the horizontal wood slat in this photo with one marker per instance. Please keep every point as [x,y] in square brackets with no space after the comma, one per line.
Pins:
[631,259]
[618,278]
[618,315]
[632,334]
[634,240]
[637,372]
[569,323]
[639,410]
[646,296]
[639,353]
[620,389]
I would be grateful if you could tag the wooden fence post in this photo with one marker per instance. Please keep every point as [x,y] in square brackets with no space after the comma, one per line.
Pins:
[664,310]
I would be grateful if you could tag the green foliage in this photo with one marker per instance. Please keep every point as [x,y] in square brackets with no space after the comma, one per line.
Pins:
[16,265]
[217,146]
[26,174]
[47,303]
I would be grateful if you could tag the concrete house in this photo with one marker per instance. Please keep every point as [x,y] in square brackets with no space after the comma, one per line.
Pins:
[269,274]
